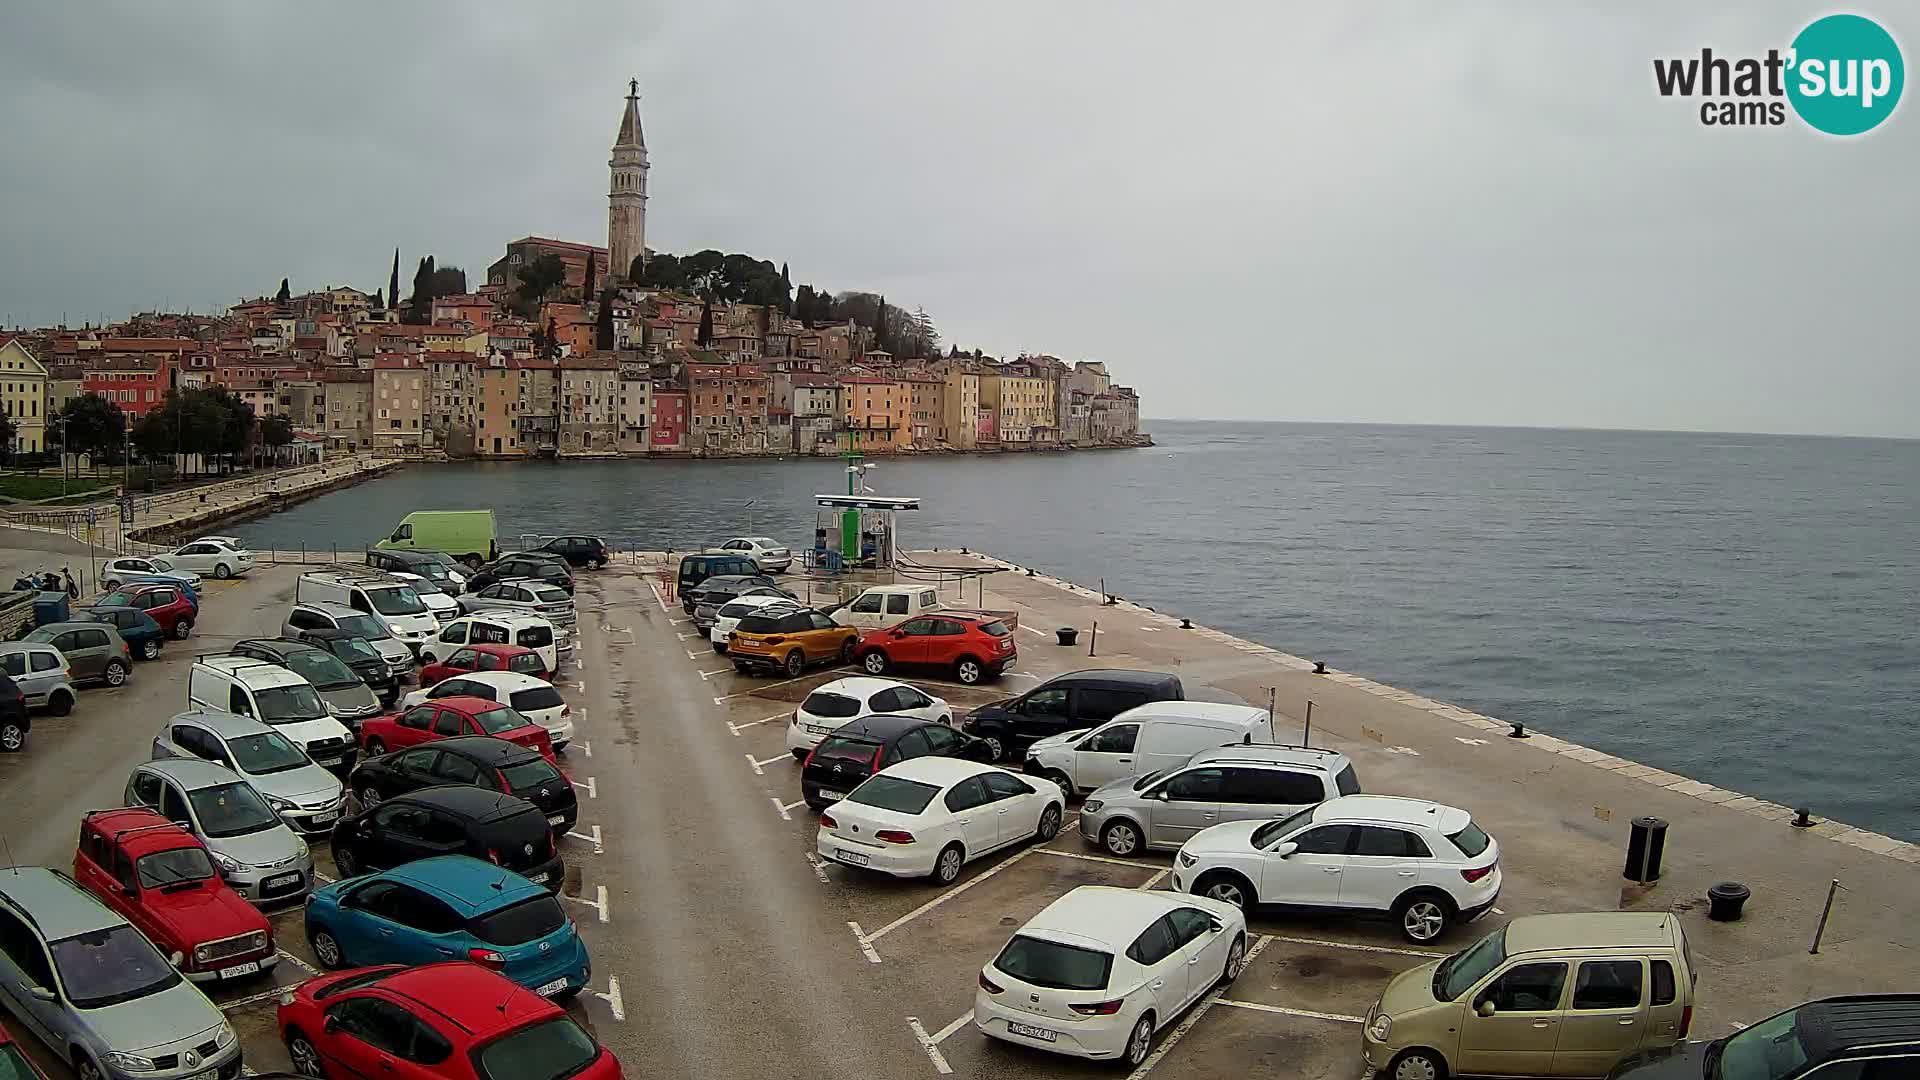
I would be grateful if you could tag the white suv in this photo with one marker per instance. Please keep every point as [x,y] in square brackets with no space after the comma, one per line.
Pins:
[1427,865]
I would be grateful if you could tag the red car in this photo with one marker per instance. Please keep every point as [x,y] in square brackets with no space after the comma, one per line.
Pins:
[973,647]
[484,657]
[456,1021]
[443,717]
[14,1063]
[160,877]
[170,605]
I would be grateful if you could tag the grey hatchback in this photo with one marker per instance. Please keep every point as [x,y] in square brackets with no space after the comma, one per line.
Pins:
[95,651]
[41,673]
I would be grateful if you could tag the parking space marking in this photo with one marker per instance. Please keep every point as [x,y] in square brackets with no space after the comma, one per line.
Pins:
[1280,1011]
[931,1045]
[591,787]
[794,805]
[297,962]
[819,871]
[585,747]
[1095,858]
[599,904]
[774,760]
[657,598]
[684,637]
[322,878]
[754,765]
[866,942]
[1149,884]
[1034,631]
[710,674]
[959,1022]
[735,728]
[903,920]
[778,806]
[763,686]
[691,655]
[1180,1032]
[598,848]
[1355,946]
[255,999]
[612,998]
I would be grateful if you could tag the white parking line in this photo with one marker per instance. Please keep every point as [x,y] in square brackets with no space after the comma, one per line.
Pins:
[591,787]
[691,655]
[931,1045]
[1032,630]
[711,674]
[1186,1025]
[598,848]
[1356,947]
[735,728]
[764,686]
[778,806]
[1277,1010]
[657,598]
[322,878]
[297,962]
[754,765]
[585,747]
[612,998]
[819,871]
[254,999]
[599,905]
[776,759]
[684,637]
[941,899]
[866,943]
[1149,884]
[959,1022]
[794,805]
[1095,858]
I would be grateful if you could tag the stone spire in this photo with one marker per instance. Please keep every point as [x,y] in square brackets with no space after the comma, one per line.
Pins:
[627,191]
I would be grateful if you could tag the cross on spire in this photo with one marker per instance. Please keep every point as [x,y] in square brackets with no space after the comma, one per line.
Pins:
[633,88]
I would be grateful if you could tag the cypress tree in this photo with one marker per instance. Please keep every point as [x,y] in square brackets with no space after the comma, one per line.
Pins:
[706,323]
[603,323]
[284,294]
[586,291]
[393,280]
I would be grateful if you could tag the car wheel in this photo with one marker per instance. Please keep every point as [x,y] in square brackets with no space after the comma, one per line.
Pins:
[800,755]
[222,571]
[110,585]
[946,868]
[875,662]
[796,664]
[151,650]
[846,651]
[740,666]
[369,797]
[720,648]
[1061,780]
[13,737]
[1236,959]
[345,861]
[1140,1041]
[375,747]
[182,628]
[969,672]
[116,673]
[1226,888]
[60,703]
[306,1060]
[1121,837]
[599,564]
[327,950]
[995,747]
[84,1067]
[1418,1065]
[1049,825]
[1422,917]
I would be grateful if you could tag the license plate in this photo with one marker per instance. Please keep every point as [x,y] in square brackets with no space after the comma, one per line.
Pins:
[1032,1032]
[555,819]
[327,818]
[832,796]
[852,858]
[552,988]
[538,879]
[247,968]
[283,879]
[207,1074]
[328,762]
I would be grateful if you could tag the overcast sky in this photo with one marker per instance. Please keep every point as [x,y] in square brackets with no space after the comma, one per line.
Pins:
[1408,213]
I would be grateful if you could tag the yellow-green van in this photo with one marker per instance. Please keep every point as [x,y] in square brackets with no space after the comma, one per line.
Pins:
[1546,995]
[467,535]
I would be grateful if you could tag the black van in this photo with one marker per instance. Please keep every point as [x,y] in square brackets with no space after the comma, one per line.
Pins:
[695,569]
[451,820]
[1078,699]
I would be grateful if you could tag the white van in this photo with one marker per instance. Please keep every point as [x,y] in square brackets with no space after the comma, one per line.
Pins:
[890,605]
[1144,739]
[273,695]
[382,596]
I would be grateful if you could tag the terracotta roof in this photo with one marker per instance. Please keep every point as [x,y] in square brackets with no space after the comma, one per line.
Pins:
[394,363]
[133,344]
[591,362]
[545,241]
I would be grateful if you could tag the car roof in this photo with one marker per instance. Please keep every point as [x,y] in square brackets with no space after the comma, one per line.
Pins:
[505,615]
[763,600]
[468,703]
[225,724]
[1115,676]
[723,580]
[192,773]
[1303,757]
[883,726]
[466,800]
[328,607]
[1393,810]
[468,885]
[1591,930]
[257,674]
[504,680]
[280,646]
[86,624]
[475,999]
[404,555]
[943,771]
[495,648]
[485,749]
[1102,913]
[150,831]
[1214,711]
[57,906]
[30,646]
[860,686]
[1833,1026]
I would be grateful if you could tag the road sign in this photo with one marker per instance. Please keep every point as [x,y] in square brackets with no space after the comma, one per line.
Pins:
[93,515]
[126,510]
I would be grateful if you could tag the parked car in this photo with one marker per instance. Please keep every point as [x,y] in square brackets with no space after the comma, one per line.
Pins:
[467,535]
[471,659]
[41,673]
[530,696]
[221,557]
[788,641]
[324,616]
[436,566]
[1155,736]
[1099,971]
[1503,1006]
[717,590]
[929,816]
[538,566]
[346,695]
[358,654]
[454,819]
[861,748]
[13,1063]
[257,853]
[14,722]
[579,550]
[480,760]
[767,553]
[553,643]
[145,569]
[1069,702]
[172,606]
[273,695]
[385,598]
[1256,782]
[93,986]
[706,613]
[1857,1037]
[306,796]
[142,633]
[974,648]
[529,596]
[94,652]
[461,1021]
[882,606]
[722,621]
[832,705]
[451,716]
[440,603]
[701,565]
[162,879]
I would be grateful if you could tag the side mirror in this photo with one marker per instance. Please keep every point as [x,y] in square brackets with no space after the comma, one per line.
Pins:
[40,993]
[176,958]
[1216,926]
[330,1025]
[1286,849]
[1484,1008]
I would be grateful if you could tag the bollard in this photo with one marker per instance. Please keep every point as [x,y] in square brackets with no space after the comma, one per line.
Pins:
[1186,623]
[1725,900]
[1519,730]
[1646,843]
[1067,634]
[1820,931]
[1803,818]
[1093,636]
[1319,667]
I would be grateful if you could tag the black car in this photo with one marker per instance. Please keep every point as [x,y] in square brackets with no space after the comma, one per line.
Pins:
[436,566]
[1861,1037]
[579,550]
[542,565]
[863,747]
[1078,699]
[358,654]
[723,588]
[14,724]
[479,760]
[456,819]
[700,566]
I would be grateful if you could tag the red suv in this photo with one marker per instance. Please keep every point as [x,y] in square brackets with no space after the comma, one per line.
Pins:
[449,716]
[468,659]
[170,605]
[160,877]
[973,647]
[453,1020]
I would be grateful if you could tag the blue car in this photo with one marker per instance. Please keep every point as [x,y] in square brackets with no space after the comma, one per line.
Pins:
[137,628]
[450,907]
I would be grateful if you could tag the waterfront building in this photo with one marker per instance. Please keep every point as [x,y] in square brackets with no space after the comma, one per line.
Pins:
[450,402]
[957,423]
[23,394]
[627,189]
[347,399]
[64,383]
[399,404]
[667,427]
[878,412]
[925,393]
[729,407]
[636,405]
[589,404]
[818,412]
[135,383]
[1019,405]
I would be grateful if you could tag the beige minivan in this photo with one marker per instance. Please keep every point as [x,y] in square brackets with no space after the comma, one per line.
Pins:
[1546,995]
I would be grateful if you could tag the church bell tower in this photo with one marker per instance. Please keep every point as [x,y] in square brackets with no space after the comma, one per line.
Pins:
[627,190]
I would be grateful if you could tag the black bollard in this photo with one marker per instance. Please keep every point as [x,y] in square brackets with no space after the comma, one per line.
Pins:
[1646,845]
[1725,900]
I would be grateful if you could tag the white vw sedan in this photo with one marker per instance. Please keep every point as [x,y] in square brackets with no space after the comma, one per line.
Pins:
[928,816]
[1102,969]
[220,556]
[842,701]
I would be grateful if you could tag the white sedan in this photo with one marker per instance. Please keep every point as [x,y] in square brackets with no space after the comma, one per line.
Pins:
[928,816]
[728,617]
[117,572]
[216,557]
[535,699]
[842,701]
[1102,969]
[771,555]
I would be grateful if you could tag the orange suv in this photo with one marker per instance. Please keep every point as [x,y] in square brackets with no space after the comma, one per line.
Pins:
[787,640]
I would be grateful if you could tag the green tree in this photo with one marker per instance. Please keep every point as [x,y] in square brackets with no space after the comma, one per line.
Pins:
[706,323]
[92,425]
[285,294]
[445,281]
[586,288]
[7,432]
[276,432]
[393,279]
[540,277]
[379,299]
[803,305]
[603,323]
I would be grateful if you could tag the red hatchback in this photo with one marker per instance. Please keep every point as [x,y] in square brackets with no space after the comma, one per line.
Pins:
[457,1021]
[468,659]
[160,877]
[445,717]
[973,647]
[170,605]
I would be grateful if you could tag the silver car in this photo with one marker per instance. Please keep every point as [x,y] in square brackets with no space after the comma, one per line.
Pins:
[42,674]
[1252,782]
[257,854]
[87,982]
[306,796]
[550,602]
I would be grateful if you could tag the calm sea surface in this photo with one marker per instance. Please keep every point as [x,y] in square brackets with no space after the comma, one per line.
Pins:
[1737,608]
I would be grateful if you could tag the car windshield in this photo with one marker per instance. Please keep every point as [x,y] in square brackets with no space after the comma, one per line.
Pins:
[351,649]
[1274,830]
[290,704]
[231,809]
[321,668]
[1152,777]
[526,663]
[1053,965]
[1769,1050]
[164,566]
[536,697]
[107,967]
[517,924]
[163,868]
[423,584]
[1457,973]
[364,626]
[759,624]
[849,747]
[542,1051]
[116,599]
[495,721]
[528,775]
[995,629]
[1470,840]
[893,793]
[821,703]
[267,752]
[13,1066]
[399,600]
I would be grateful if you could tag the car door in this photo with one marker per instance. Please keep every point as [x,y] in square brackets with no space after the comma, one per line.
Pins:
[943,741]
[970,808]
[1044,711]
[399,834]
[86,665]
[143,789]
[413,727]
[823,637]
[1311,873]
[409,927]
[1018,806]
[1384,863]
[405,771]
[24,967]
[372,1038]
[1202,951]
[15,665]
[1157,951]
[454,769]
[911,702]
[1182,805]
[1264,793]
[910,744]
[1106,754]
[1520,1037]
[1605,1019]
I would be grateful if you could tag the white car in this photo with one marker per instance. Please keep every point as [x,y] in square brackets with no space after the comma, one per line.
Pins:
[1427,865]
[117,572]
[928,816]
[727,618]
[444,608]
[1098,972]
[771,555]
[536,699]
[842,701]
[553,643]
[211,556]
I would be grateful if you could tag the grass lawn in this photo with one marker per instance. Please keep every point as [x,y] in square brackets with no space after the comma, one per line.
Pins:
[36,486]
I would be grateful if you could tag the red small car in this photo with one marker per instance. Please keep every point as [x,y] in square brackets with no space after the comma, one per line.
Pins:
[973,647]
[485,657]
[443,717]
[170,605]
[161,878]
[457,1021]
[13,1062]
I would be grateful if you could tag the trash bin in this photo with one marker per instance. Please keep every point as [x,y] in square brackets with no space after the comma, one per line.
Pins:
[1067,635]
[1725,900]
[50,607]
[1646,843]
